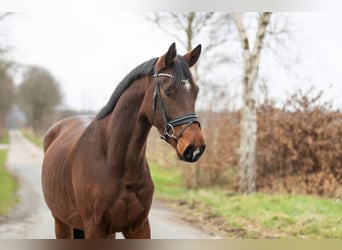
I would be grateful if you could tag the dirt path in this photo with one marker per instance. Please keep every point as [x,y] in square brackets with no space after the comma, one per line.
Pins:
[31,219]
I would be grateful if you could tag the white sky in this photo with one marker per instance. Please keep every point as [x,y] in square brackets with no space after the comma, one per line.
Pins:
[90,52]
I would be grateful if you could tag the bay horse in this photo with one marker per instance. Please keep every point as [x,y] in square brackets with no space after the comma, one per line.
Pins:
[95,177]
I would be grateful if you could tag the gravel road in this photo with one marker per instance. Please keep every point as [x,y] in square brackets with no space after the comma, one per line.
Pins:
[31,219]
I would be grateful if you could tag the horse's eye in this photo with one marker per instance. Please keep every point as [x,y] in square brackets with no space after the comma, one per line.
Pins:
[168,93]
[169,90]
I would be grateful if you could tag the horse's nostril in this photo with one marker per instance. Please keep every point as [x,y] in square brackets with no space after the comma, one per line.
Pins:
[192,154]
[188,152]
[202,148]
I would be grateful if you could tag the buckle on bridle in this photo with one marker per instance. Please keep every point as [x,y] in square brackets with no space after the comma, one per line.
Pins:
[168,127]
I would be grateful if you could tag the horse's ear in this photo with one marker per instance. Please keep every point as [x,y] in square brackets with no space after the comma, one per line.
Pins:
[192,57]
[167,59]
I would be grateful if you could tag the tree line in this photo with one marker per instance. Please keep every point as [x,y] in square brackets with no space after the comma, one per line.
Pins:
[37,95]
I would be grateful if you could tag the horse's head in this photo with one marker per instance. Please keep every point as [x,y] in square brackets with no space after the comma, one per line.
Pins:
[174,97]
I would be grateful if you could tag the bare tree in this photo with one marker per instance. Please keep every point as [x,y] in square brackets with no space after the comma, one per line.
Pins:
[6,83]
[4,15]
[251,60]
[6,97]
[211,30]
[39,95]
[190,28]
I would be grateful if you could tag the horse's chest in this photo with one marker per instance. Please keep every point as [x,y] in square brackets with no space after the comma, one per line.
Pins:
[126,212]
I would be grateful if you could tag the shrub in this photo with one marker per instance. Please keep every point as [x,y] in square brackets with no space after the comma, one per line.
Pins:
[299,148]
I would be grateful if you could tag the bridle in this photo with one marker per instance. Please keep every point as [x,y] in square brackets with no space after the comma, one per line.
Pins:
[170,125]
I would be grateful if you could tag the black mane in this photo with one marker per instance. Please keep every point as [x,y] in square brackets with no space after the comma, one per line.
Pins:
[143,69]
[180,71]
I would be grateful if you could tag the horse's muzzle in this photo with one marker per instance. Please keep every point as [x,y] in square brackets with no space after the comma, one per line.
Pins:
[192,153]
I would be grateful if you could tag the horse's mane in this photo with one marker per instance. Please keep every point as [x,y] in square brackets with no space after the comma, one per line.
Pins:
[180,71]
[143,69]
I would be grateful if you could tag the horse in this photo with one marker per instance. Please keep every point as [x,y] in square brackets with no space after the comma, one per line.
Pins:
[95,177]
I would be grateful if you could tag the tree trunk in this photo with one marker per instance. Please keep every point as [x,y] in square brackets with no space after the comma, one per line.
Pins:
[251,59]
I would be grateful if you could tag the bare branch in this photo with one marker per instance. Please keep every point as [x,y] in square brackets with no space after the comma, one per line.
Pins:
[4,15]
[242,35]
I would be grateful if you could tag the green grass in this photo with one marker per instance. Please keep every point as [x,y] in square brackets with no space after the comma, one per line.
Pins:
[5,138]
[8,186]
[33,138]
[257,215]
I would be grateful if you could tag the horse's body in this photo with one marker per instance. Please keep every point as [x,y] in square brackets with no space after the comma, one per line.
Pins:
[95,175]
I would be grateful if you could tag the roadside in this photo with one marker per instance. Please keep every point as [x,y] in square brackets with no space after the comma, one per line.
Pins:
[30,217]
[8,186]
[257,215]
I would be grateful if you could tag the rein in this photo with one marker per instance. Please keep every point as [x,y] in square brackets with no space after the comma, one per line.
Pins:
[169,129]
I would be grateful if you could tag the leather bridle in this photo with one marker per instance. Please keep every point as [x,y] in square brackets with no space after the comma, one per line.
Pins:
[169,128]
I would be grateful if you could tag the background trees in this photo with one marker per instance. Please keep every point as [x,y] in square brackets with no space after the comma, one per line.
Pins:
[6,96]
[39,96]
[6,83]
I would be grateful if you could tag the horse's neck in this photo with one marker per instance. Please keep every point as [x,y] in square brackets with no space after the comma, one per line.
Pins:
[127,132]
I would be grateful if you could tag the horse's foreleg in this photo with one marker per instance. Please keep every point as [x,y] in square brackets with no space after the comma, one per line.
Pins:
[143,233]
[62,230]
[92,231]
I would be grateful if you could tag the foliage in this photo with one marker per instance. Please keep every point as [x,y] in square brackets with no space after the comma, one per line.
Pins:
[300,147]
[251,216]
[39,95]
[8,186]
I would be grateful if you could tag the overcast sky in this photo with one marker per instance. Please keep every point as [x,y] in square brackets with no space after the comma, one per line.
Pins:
[90,52]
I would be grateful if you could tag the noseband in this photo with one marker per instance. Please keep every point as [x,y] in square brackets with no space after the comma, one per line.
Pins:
[169,128]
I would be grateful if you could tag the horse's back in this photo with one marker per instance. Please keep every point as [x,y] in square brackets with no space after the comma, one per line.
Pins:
[68,128]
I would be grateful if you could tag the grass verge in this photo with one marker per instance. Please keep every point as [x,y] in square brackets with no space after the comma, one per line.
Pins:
[5,138]
[32,138]
[251,216]
[8,186]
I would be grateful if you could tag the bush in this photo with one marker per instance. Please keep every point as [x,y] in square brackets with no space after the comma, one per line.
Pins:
[299,148]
